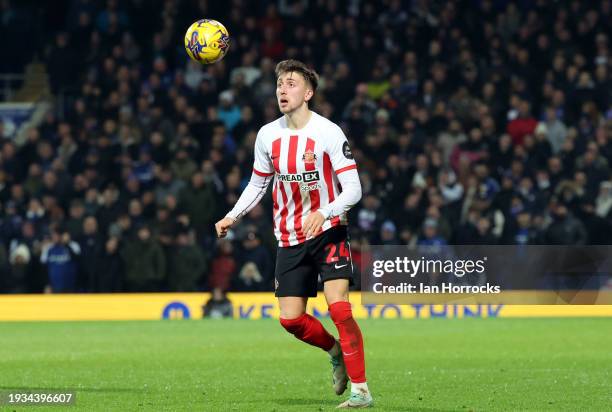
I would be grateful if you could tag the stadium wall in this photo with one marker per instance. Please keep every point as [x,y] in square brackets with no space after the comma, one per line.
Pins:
[81,307]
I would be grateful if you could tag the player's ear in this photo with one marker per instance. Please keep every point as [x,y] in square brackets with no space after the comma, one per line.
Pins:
[308,95]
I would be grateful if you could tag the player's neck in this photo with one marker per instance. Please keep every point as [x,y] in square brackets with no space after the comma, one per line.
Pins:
[297,119]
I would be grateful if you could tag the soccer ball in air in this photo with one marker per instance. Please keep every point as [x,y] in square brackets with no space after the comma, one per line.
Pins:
[207,41]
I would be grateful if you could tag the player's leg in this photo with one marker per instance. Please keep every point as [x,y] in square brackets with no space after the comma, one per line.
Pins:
[337,274]
[294,284]
[292,307]
[351,341]
[303,326]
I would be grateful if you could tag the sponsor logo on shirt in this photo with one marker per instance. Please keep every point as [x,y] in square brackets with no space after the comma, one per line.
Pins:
[304,177]
[310,186]
[308,180]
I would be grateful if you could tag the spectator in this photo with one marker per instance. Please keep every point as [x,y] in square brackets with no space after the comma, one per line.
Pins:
[471,151]
[565,229]
[165,228]
[144,262]
[109,268]
[74,224]
[167,185]
[388,233]
[248,70]
[256,268]
[523,232]
[223,266]
[188,262]
[60,254]
[228,112]
[603,206]
[143,169]
[62,64]
[91,244]
[198,202]
[554,129]
[523,124]
[109,209]
[218,306]
[483,234]
[14,270]
[182,166]
[246,124]
[430,234]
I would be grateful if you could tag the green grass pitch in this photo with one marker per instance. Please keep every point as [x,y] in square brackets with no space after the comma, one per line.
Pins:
[245,365]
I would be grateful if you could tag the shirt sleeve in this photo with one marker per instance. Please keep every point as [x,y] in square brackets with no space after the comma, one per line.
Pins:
[340,152]
[263,171]
[251,195]
[346,170]
[351,194]
[262,165]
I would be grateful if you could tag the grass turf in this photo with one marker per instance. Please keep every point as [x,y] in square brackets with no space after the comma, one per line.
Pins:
[244,365]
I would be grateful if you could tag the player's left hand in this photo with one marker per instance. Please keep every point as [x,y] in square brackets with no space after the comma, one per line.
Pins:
[312,224]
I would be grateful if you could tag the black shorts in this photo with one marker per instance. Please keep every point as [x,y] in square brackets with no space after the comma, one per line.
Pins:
[298,267]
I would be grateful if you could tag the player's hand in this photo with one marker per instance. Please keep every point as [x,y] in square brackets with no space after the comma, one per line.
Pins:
[223,225]
[312,224]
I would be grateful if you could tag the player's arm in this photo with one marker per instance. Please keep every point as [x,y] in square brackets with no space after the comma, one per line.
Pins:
[263,172]
[346,170]
[351,194]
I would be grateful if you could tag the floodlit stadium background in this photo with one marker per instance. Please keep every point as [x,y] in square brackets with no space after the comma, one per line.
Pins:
[471,122]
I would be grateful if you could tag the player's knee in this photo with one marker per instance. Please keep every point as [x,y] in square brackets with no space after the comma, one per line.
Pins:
[340,311]
[293,326]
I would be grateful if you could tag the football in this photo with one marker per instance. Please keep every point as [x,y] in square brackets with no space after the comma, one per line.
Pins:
[207,41]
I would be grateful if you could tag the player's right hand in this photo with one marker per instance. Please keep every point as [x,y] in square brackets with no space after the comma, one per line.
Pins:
[223,225]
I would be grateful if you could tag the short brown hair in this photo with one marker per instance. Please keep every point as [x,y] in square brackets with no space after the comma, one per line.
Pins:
[287,66]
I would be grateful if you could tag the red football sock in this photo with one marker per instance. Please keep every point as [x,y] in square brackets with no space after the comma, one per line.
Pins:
[351,341]
[308,329]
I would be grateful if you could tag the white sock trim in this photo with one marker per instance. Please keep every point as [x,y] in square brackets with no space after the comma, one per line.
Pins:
[359,388]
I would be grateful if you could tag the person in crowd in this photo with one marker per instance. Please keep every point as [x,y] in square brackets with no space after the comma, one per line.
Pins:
[188,263]
[218,306]
[144,262]
[60,255]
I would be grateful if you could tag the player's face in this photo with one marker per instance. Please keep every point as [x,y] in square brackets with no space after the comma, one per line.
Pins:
[292,92]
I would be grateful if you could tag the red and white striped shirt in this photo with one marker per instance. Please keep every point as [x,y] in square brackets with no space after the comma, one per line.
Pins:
[313,170]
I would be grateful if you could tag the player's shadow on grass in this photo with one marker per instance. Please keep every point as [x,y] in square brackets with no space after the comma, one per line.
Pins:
[81,389]
[304,402]
[317,402]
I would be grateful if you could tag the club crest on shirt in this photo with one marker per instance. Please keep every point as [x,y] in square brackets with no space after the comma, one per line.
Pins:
[309,157]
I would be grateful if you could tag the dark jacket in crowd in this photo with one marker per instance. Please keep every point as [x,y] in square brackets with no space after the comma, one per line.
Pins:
[566,230]
[145,265]
[199,204]
[188,265]
[109,269]
[92,246]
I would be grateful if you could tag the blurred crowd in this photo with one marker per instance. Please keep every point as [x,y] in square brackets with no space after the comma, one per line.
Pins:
[472,122]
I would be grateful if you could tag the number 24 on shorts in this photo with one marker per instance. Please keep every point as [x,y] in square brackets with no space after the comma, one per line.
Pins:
[334,253]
